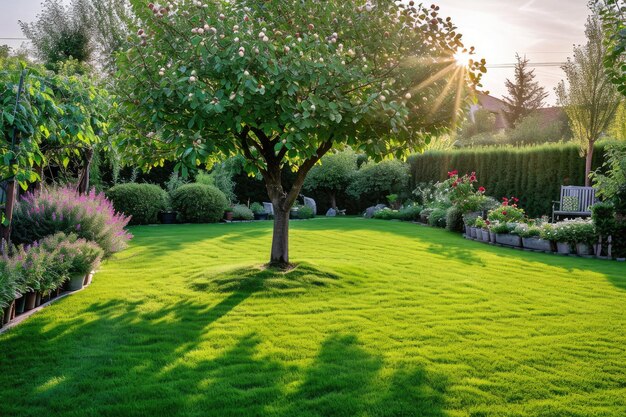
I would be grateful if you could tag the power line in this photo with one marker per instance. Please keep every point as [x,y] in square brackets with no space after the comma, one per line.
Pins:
[530,64]
[14,39]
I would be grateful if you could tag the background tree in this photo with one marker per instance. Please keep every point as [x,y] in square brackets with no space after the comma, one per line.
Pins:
[60,32]
[333,175]
[5,51]
[525,94]
[613,16]
[376,181]
[282,83]
[589,98]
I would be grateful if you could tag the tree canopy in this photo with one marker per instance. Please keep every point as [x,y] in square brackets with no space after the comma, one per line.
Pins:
[284,82]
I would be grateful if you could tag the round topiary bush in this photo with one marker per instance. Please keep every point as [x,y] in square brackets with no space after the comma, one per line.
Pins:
[142,202]
[199,203]
[241,212]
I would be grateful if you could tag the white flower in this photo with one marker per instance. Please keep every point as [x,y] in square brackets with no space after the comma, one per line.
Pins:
[407,96]
[192,79]
[246,73]
[222,17]
[261,35]
[313,107]
[232,96]
[265,39]
[200,31]
[287,49]
[382,98]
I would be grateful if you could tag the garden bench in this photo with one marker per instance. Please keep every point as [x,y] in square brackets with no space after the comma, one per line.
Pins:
[269,208]
[575,202]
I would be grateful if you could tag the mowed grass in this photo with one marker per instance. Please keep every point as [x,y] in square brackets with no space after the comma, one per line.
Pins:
[379,319]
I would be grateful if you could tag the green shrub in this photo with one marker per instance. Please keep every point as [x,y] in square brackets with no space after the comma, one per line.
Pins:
[438,218]
[142,202]
[257,208]
[410,213]
[199,203]
[305,212]
[241,212]
[603,217]
[454,219]
[503,228]
[526,231]
[573,231]
[378,180]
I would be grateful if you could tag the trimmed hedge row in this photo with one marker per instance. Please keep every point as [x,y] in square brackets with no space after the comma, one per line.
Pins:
[533,174]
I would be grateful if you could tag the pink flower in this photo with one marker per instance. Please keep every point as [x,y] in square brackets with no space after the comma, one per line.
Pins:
[481,189]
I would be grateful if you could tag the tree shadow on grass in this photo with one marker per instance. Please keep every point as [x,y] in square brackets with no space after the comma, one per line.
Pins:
[265,280]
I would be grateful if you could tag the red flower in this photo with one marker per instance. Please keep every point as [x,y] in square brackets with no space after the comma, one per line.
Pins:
[481,189]
[504,213]
[454,184]
[452,173]
[473,178]
[505,203]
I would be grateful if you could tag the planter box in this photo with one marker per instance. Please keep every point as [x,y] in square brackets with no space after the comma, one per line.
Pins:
[584,249]
[563,248]
[485,235]
[492,237]
[509,240]
[473,233]
[536,243]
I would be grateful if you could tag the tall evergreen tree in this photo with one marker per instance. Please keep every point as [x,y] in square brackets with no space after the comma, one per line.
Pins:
[525,94]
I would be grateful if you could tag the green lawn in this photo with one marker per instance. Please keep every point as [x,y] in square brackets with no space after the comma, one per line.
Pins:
[379,319]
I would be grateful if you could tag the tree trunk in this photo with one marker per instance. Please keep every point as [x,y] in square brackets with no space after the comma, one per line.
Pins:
[280,238]
[37,185]
[83,181]
[333,201]
[588,160]
[8,210]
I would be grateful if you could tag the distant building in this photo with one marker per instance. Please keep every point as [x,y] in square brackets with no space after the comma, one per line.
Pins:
[497,107]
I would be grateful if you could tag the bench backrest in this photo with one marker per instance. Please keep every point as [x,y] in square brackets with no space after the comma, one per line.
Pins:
[583,197]
[269,208]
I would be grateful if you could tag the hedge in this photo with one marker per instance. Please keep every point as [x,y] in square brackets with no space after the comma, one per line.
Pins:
[533,174]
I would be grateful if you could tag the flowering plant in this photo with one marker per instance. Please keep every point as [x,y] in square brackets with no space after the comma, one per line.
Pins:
[462,191]
[90,216]
[507,211]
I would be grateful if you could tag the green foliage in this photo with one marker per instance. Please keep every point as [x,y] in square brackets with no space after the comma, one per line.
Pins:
[612,13]
[507,212]
[378,180]
[483,122]
[304,212]
[334,174]
[454,219]
[573,231]
[525,94]
[257,208]
[59,115]
[462,193]
[503,227]
[142,202]
[534,130]
[61,32]
[408,213]
[199,203]
[603,217]
[612,175]
[437,217]
[221,176]
[534,173]
[242,212]
[525,231]
[174,182]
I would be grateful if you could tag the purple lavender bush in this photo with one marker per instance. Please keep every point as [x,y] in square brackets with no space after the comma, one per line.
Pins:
[51,210]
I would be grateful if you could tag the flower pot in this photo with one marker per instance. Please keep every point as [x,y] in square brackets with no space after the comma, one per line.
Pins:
[30,300]
[484,234]
[424,218]
[9,312]
[261,216]
[37,299]
[583,249]
[536,243]
[508,239]
[168,217]
[20,303]
[472,232]
[228,216]
[76,282]
[492,237]
[563,248]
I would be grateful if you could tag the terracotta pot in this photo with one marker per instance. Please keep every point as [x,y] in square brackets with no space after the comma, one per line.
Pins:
[30,300]
[508,239]
[228,215]
[76,282]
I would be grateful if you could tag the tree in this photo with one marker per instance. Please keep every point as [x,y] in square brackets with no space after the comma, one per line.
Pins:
[589,98]
[525,95]
[60,33]
[612,14]
[283,83]
[5,51]
[333,175]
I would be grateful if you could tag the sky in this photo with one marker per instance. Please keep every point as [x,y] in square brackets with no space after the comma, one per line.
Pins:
[542,30]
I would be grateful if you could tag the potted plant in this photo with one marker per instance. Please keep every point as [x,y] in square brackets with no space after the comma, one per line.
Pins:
[583,234]
[504,235]
[561,235]
[482,230]
[228,214]
[531,238]
[259,211]
[84,257]
[470,225]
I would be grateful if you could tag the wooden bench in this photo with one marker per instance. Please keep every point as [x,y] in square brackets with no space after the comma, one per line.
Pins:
[575,202]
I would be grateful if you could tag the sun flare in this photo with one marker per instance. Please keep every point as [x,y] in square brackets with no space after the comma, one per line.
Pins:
[462,58]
